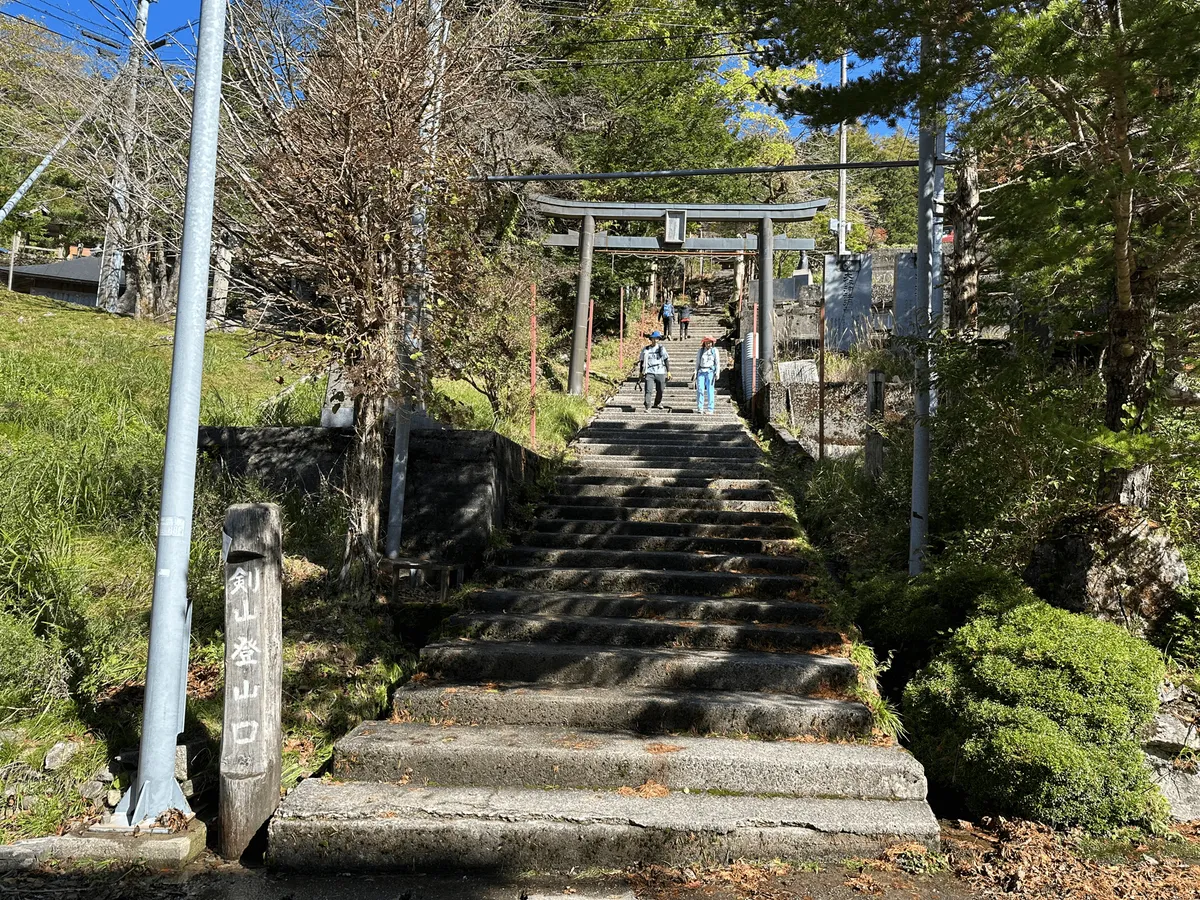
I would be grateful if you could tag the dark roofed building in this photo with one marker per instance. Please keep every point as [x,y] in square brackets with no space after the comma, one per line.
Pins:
[71,280]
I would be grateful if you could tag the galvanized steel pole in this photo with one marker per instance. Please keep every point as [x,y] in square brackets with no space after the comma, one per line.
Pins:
[155,790]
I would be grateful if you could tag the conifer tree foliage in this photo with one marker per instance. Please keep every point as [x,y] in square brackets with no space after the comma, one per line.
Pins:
[1086,107]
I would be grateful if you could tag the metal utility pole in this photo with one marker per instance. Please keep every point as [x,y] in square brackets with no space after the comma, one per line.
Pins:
[155,790]
[116,230]
[414,299]
[841,214]
[926,240]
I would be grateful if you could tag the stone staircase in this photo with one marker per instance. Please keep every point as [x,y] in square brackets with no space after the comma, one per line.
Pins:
[647,679]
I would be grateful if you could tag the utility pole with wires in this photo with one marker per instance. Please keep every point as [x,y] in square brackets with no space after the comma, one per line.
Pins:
[116,229]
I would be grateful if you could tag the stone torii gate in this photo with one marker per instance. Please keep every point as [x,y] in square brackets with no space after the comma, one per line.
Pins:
[675,218]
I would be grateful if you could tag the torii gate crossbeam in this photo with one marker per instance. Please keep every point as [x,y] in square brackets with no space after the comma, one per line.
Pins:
[674,218]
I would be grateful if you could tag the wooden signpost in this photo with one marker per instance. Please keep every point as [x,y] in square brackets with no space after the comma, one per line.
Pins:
[251,741]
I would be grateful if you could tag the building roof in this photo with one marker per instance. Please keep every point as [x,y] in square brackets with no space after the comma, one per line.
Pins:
[82,270]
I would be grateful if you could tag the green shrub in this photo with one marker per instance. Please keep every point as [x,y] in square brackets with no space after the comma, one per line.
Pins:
[1034,712]
[908,618]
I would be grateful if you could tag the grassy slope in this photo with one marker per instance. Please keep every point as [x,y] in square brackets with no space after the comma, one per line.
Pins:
[83,399]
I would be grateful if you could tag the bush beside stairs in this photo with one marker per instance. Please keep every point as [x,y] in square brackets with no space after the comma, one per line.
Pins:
[646,680]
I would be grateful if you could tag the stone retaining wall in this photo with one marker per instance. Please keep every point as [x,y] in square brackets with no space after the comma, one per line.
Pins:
[461,484]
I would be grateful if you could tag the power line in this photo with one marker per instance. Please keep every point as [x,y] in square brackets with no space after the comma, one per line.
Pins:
[587,64]
[25,20]
[684,173]
[72,17]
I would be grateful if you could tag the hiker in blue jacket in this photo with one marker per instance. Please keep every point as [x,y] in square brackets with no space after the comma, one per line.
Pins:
[667,313]
[708,367]
[655,366]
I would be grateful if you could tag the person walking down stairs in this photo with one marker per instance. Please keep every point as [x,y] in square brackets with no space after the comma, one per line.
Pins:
[655,367]
[704,377]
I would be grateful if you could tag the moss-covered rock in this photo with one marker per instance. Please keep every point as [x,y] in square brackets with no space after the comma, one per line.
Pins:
[1036,712]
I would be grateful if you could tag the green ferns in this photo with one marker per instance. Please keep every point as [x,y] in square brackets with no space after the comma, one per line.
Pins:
[1035,712]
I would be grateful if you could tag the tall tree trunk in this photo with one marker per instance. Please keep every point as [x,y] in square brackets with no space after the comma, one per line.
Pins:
[364,488]
[1129,362]
[219,298]
[964,281]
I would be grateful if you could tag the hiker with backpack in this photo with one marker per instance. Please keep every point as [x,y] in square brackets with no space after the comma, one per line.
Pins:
[655,367]
[685,316]
[666,314]
[704,379]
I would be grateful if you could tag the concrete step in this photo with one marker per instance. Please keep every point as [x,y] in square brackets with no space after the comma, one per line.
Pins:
[629,708]
[612,632]
[370,826]
[652,427]
[652,607]
[568,541]
[754,563]
[652,581]
[684,448]
[615,467]
[631,410]
[658,669]
[568,510]
[783,531]
[664,502]
[713,482]
[669,436]
[627,491]
[504,756]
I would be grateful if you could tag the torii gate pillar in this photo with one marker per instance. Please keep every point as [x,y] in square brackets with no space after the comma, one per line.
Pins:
[587,243]
[766,299]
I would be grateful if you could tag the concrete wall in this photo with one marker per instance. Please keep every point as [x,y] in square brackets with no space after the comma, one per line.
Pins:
[795,405]
[461,484]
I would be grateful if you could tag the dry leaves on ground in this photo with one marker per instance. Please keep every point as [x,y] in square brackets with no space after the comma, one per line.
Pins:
[650,789]
[1029,860]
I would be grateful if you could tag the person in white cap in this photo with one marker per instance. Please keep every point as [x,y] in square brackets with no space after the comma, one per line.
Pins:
[708,367]
[655,366]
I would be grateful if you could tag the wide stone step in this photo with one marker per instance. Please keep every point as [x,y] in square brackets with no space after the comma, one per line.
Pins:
[630,410]
[568,541]
[682,449]
[786,530]
[658,559]
[653,581]
[616,467]
[505,756]
[367,826]
[664,436]
[624,491]
[629,708]
[612,632]
[704,424]
[582,477]
[668,502]
[659,669]
[640,606]
[666,514]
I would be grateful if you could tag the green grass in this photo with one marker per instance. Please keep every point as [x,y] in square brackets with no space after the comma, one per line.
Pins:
[83,403]
[83,408]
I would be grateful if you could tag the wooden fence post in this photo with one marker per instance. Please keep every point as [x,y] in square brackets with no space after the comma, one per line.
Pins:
[252,738]
[875,406]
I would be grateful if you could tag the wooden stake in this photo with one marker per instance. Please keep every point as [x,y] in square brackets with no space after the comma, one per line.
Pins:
[533,366]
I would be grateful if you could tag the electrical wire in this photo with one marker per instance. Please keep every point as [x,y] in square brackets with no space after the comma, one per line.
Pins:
[73,17]
[586,64]
[25,20]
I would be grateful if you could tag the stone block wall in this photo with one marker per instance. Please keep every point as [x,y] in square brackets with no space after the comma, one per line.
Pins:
[461,484]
